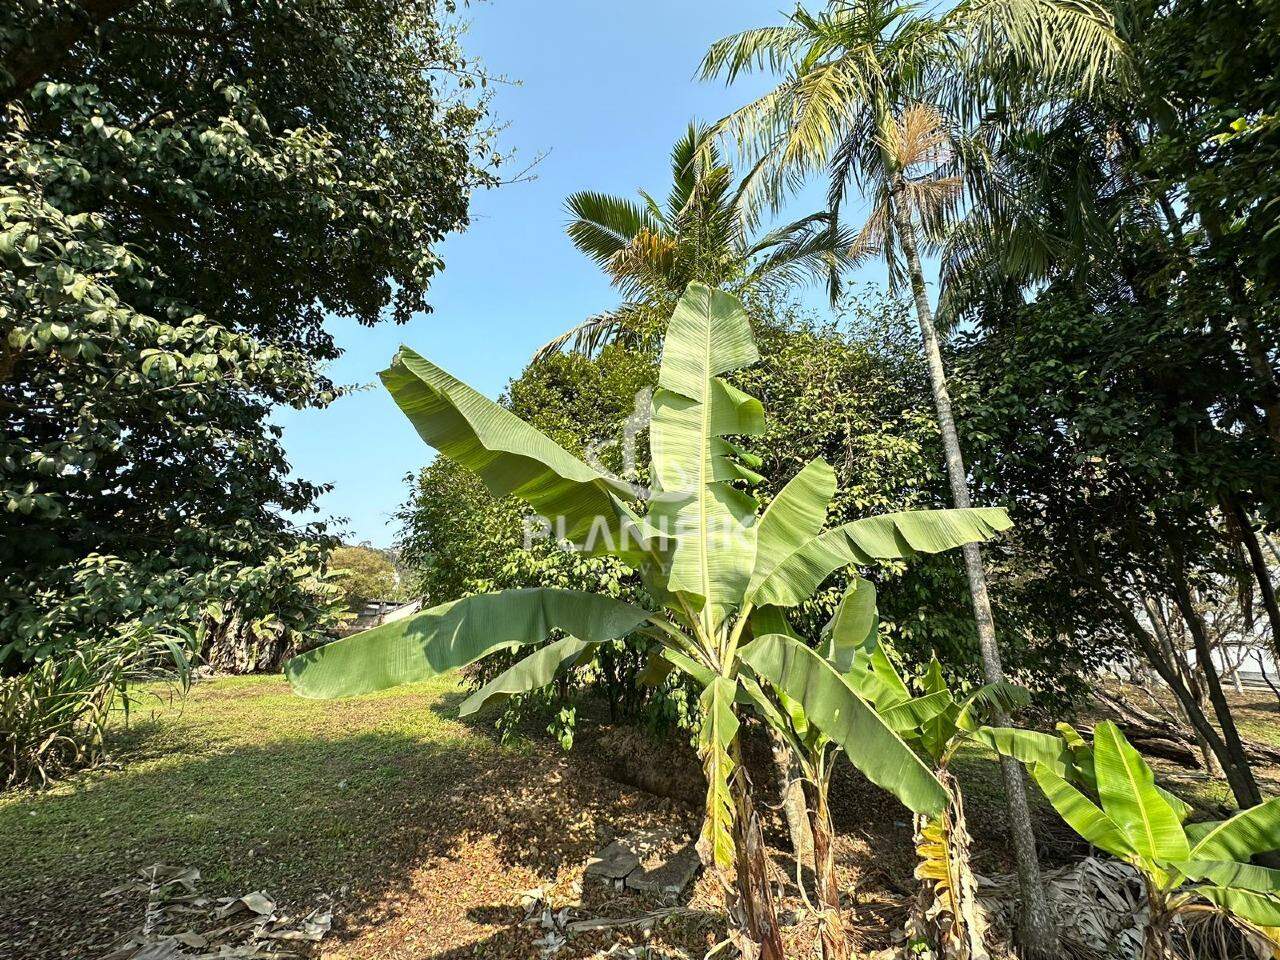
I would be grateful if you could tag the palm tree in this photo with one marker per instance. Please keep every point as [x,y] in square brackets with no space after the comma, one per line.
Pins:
[853,77]
[652,251]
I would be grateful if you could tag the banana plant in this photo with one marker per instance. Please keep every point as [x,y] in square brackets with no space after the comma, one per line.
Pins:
[708,556]
[1107,793]
[937,723]
[814,752]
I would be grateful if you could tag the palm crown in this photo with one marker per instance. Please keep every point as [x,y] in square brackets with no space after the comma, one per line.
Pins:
[652,251]
[853,73]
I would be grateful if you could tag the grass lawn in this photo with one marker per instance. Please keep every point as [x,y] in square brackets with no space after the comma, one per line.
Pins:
[254,784]
[423,828]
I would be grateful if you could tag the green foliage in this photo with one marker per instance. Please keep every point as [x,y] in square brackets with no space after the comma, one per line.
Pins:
[363,573]
[453,635]
[171,241]
[458,539]
[703,233]
[1106,416]
[54,717]
[1107,793]
[1119,384]
[855,395]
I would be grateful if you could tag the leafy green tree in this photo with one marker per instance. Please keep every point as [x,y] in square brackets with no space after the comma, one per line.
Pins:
[704,233]
[1157,192]
[708,560]
[363,573]
[1095,400]
[186,192]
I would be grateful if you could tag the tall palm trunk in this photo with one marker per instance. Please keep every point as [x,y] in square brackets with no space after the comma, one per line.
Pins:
[1036,931]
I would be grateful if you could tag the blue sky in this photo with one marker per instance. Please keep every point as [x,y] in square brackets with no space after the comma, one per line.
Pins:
[606,88]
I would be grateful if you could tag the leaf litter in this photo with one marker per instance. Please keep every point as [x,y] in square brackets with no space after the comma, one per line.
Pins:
[180,923]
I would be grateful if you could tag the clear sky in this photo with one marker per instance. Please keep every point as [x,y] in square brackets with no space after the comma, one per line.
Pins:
[606,88]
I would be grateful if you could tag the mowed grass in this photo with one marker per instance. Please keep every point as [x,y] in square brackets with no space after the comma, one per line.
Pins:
[257,787]
[422,831]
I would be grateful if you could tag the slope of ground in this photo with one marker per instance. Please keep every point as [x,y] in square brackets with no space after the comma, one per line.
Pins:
[427,833]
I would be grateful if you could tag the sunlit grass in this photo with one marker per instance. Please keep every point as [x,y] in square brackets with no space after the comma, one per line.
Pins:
[253,785]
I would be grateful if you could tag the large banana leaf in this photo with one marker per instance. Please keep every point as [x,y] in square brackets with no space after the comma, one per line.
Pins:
[771,620]
[711,524]
[1127,788]
[1030,747]
[835,708]
[794,517]
[911,715]
[512,457]
[1249,832]
[453,635]
[1257,908]
[862,542]
[532,673]
[719,727]
[1082,814]
[1232,874]
[854,626]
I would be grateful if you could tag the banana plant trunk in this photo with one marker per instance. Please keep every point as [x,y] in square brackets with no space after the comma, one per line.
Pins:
[751,905]
[1036,930]
[1157,939]
[833,936]
[790,776]
[948,913]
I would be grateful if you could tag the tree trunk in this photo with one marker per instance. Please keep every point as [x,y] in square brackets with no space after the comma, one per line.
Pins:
[1036,933]
[1260,572]
[791,789]
[1248,794]
[1260,363]
[834,938]
[233,647]
[1262,669]
[751,905]
[1211,763]
[1238,780]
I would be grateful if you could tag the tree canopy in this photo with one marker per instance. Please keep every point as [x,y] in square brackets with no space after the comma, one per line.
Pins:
[187,191]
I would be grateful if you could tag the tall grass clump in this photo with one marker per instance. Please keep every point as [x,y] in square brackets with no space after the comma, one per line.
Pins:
[54,715]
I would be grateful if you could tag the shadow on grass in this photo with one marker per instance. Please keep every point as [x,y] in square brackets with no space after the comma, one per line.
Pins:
[310,812]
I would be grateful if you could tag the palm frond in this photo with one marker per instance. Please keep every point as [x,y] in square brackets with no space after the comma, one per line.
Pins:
[771,48]
[810,249]
[1071,46]
[873,240]
[602,224]
[590,336]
